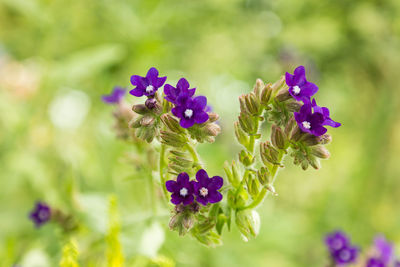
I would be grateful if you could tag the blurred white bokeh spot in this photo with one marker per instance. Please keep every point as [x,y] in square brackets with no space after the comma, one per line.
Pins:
[152,239]
[67,111]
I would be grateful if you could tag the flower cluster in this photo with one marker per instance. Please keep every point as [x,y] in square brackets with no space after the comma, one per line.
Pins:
[311,118]
[187,108]
[342,252]
[205,189]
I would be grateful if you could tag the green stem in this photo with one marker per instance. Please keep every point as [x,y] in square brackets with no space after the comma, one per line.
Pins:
[195,156]
[152,196]
[162,166]
[257,201]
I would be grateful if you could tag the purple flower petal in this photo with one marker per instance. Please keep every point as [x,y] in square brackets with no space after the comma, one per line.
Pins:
[139,81]
[202,177]
[182,178]
[201,117]
[137,92]
[299,75]
[188,200]
[182,84]
[152,76]
[185,123]
[200,102]
[171,186]
[214,197]
[216,182]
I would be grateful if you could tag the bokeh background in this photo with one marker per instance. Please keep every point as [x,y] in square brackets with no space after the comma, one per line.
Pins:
[58,57]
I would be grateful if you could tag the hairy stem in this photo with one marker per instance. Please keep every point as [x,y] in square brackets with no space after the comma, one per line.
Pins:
[195,156]
[258,200]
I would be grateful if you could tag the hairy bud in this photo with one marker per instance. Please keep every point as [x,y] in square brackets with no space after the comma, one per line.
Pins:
[171,123]
[320,152]
[172,139]
[212,117]
[246,158]
[266,95]
[293,106]
[212,129]
[241,136]
[283,95]
[278,137]
[140,109]
[247,123]
[264,176]
[258,88]
[248,223]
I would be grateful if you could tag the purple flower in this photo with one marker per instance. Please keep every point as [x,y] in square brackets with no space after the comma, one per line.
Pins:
[375,262]
[181,189]
[384,250]
[115,97]
[191,111]
[346,255]
[147,85]
[181,90]
[206,189]
[325,112]
[337,240]
[310,122]
[40,214]
[299,87]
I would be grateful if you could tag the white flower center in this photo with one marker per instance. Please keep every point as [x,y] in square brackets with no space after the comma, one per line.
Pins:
[188,113]
[306,124]
[203,192]
[183,192]
[296,90]
[345,255]
[149,89]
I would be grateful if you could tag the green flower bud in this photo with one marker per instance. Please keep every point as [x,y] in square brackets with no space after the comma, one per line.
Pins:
[140,109]
[135,122]
[252,185]
[278,137]
[241,136]
[171,123]
[271,189]
[289,126]
[314,162]
[248,223]
[243,106]
[268,153]
[320,152]
[279,84]
[172,139]
[264,176]
[147,121]
[235,174]
[246,158]
[266,95]
[258,88]
[283,95]
[294,106]
[297,133]
[247,123]
[252,103]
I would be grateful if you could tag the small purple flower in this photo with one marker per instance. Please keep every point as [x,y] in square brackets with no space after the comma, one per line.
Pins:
[115,97]
[147,85]
[181,90]
[336,241]
[40,214]
[346,255]
[299,87]
[325,112]
[375,262]
[181,189]
[191,111]
[310,122]
[206,189]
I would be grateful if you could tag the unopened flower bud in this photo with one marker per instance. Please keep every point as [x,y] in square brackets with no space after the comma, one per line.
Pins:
[171,123]
[264,176]
[252,185]
[172,139]
[140,109]
[246,158]
[266,95]
[252,103]
[243,106]
[147,121]
[135,122]
[325,139]
[304,165]
[320,152]
[289,126]
[283,95]
[241,136]
[268,153]
[248,223]
[297,133]
[312,140]
[279,84]
[293,106]
[212,116]
[151,103]
[258,88]
[188,221]
[278,137]
[212,129]
[271,189]
[314,162]
[247,123]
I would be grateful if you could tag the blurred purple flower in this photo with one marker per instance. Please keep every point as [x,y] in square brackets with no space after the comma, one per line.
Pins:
[147,85]
[191,111]
[345,255]
[40,214]
[206,189]
[385,252]
[375,262]
[115,97]
[181,90]
[336,240]
[299,88]
[181,189]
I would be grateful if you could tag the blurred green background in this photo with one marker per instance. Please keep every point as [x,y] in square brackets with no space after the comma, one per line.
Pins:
[58,57]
